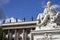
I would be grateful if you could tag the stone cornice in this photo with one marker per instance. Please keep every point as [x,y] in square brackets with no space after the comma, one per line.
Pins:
[20,23]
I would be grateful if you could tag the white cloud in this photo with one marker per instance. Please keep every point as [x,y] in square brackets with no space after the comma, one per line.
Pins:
[4,2]
[56,6]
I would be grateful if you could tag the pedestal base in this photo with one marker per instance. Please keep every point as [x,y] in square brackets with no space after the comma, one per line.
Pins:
[52,34]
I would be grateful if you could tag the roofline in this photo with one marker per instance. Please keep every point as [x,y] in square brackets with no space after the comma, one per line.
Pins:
[19,23]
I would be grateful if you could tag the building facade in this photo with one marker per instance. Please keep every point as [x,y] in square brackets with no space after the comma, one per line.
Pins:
[18,30]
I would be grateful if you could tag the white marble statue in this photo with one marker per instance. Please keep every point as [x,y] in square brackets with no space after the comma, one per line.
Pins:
[49,15]
[48,24]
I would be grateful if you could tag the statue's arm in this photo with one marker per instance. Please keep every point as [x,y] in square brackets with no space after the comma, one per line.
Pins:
[45,11]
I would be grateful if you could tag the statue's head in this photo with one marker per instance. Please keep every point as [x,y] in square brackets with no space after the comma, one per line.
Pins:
[48,4]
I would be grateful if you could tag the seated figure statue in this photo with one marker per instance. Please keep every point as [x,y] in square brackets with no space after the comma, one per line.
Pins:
[49,15]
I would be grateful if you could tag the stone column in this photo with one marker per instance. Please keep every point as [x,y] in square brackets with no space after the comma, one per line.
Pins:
[3,36]
[15,34]
[31,35]
[23,37]
[9,35]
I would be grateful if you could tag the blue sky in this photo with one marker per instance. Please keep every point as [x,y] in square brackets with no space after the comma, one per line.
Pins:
[26,8]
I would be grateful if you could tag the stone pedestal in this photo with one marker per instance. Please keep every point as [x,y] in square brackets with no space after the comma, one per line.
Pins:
[53,34]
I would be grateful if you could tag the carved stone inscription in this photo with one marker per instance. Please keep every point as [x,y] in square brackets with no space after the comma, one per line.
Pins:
[49,36]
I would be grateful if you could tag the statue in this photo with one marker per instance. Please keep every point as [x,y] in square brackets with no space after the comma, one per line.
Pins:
[49,15]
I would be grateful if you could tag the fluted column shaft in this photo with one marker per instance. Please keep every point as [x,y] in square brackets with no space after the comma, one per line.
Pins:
[8,34]
[3,36]
[31,35]
[15,34]
[24,35]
